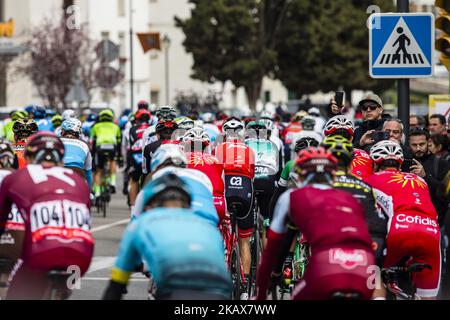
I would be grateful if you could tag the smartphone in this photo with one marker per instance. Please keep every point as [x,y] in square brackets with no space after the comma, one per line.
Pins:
[407,164]
[339,98]
[378,136]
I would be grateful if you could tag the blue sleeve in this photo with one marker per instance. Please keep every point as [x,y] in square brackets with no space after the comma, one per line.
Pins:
[88,174]
[128,257]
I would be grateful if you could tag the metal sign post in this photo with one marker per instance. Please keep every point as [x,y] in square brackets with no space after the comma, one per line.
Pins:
[403,85]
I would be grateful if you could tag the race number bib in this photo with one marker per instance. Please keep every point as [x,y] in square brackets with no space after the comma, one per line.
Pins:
[66,220]
[15,221]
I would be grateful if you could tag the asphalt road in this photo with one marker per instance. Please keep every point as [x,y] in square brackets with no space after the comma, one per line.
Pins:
[108,233]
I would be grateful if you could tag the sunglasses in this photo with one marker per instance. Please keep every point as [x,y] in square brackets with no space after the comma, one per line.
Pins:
[372,107]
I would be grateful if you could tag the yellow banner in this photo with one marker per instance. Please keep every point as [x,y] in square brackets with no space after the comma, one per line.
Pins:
[439,104]
[7,29]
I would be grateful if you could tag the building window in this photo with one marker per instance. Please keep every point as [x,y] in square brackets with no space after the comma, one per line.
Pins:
[122,44]
[267,97]
[154,97]
[105,35]
[121,8]
[153,1]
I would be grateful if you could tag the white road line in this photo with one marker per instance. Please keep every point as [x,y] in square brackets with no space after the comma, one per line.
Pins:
[107,279]
[100,263]
[107,226]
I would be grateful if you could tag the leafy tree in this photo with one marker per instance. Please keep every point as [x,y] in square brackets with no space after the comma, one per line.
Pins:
[234,40]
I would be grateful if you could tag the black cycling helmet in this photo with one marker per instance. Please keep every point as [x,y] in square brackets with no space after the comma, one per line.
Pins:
[165,129]
[166,188]
[6,154]
[143,105]
[305,143]
[23,128]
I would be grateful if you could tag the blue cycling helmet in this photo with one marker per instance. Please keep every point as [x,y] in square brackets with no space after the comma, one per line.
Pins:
[72,125]
[49,113]
[126,112]
[92,117]
[39,113]
[30,109]
[167,187]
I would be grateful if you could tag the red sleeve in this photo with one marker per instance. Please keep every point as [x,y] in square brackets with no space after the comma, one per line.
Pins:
[5,204]
[269,258]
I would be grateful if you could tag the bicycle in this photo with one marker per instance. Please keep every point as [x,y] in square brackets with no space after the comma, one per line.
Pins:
[105,191]
[256,247]
[57,288]
[6,266]
[398,278]
[232,252]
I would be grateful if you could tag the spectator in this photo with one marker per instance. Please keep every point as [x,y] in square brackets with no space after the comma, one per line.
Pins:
[439,145]
[429,167]
[372,109]
[396,132]
[416,122]
[437,124]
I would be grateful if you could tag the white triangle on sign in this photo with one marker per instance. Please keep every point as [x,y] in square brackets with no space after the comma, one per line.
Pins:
[401,41]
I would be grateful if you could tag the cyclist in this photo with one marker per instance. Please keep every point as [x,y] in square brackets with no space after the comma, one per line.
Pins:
[413,227]
[40,117]
[184,125]
[135,154]
[208,124]
[307,131]
[165,133]
[7,130]
[11,241]
[165,114]
[77,155]
[342,150]
[106,140]
[184,253]
[267,166]
[67,114]
[55,204]
[195,142]
[56,121]
[30,110]
[332,221]
[22,129]
[274,135]
[89,123]
[289,132]
[239,167]
[362,164]
[170,158]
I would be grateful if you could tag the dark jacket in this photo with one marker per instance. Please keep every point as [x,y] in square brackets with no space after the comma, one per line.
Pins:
[367,126]
[435,170]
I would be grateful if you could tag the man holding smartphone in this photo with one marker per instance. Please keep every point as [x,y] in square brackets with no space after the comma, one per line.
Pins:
[372,110]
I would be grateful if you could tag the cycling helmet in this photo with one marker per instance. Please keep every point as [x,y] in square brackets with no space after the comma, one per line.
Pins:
[142,105]
[314,112]
[49,113]
[197,134]
[308,123]
[386,150]
[39,113]
[30,109]
[208,117]
[304,143]
[45,146]
[257,126]
[186,124]
[57,121]
[67,114]
[126,112]
[106,116]
[143,115]
[166,187]
[299,116]
[92,117]
[25,127]
[73,126]
[165,126]
[168,153]
[232,124]
[340,147]
[19,115]
[166,113]
[315,160]
[6,154]
[339,124]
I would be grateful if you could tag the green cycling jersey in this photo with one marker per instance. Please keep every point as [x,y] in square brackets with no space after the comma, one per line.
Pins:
[106,133]
[7,131]
[284,178]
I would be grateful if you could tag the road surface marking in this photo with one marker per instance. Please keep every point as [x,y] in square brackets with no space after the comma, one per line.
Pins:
[111,225]
[100,263]
[107,279]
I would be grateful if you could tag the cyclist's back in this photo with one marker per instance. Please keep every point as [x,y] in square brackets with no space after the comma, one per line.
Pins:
[362,164]
[106,134]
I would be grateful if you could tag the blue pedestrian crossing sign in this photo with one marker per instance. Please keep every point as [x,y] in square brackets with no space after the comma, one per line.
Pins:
[401,45]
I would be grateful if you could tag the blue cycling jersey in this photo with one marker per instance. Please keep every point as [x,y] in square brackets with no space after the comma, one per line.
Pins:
[44,125]
[182,250]
[86,127]
[77,155]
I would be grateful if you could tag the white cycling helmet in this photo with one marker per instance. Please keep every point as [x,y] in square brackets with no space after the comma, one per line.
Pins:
[308,123]
[385,150]
[197,134]
[168,152]
[314,112]
[233,124]
[186,124]
[68,114]
[208,117]
[73,125]
[337,123]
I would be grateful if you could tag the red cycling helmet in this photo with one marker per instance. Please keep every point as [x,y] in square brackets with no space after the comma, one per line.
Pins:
[143,115]
[45,146]
[315,160]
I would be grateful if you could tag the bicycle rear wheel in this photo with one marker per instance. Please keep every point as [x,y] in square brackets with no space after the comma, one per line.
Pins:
[235,270]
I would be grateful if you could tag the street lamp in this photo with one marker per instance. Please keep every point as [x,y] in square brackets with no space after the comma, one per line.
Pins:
[166,45]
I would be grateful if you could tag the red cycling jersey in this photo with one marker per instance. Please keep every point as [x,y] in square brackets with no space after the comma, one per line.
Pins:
[55,204]
[362,164]
[237,158]
[334,224]
[290,131]
[210,166]
[413,227]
